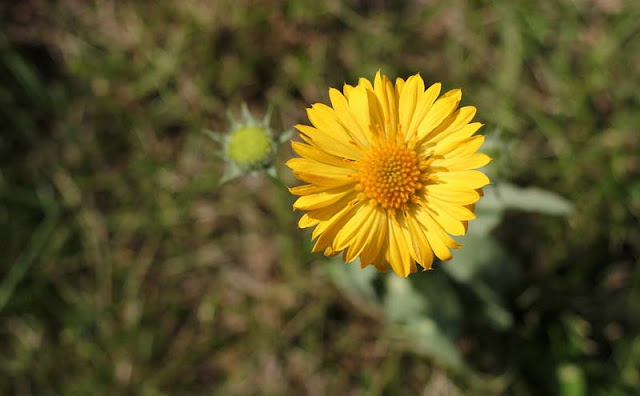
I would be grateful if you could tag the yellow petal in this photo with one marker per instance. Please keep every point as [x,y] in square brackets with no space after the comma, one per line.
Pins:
[355,233]
[314,153]
[347,118]
[329,143]
[440,110]
[327,120]
[332,228]
[321,199]
[324,216]
[438,239]
[473,161]
[359,104]
[455,139]
[450,195]
[455,121]
[307,165]
[388,102]
[348,233]
[399,86]
[424,253]
[466,148]
[398,253]
[466,178]
[423,105]
[448,223]
[408,237]
[459,212]
[306,221]
[413,89]
[346,90]
[376,115]
[365,83]
[330,181]
[332,216]
[307,189]
[330,252]
[378,240]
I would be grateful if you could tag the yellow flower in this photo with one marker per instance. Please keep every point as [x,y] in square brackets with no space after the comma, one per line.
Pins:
[390,173]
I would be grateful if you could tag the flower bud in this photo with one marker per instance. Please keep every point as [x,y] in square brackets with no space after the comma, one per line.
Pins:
[250,147]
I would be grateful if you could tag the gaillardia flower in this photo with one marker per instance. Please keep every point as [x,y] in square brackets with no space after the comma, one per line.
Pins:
[390,173]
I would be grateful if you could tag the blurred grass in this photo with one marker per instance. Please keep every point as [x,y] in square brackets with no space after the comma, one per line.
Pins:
[126,270]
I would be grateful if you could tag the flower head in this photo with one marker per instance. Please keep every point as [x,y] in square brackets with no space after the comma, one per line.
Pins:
[390,173]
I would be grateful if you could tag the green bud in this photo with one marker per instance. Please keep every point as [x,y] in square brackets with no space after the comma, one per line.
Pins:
[250,147]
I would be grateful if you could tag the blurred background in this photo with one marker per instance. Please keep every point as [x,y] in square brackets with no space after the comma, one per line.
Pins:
[127,269]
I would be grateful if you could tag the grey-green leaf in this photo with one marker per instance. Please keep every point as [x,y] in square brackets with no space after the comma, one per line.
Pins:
[508,196]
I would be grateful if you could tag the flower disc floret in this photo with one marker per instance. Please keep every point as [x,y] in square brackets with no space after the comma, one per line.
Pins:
[390,175]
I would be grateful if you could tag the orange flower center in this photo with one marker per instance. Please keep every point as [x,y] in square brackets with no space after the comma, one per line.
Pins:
[390,175]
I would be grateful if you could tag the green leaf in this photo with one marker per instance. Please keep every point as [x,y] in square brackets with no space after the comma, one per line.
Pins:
[429,340]
[442,302]
[482,258]
[418,319]
[350,277]
[507,196]
[485,222]
[469,262]
[483,266]
[401,301]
